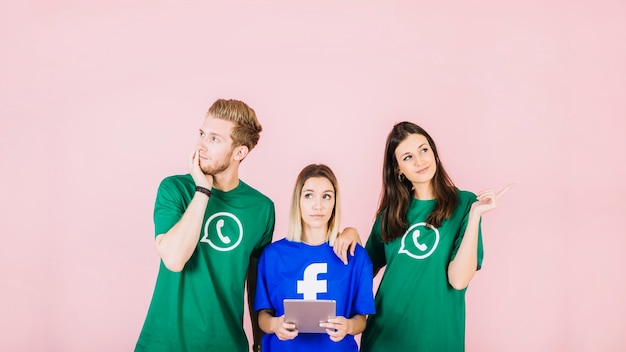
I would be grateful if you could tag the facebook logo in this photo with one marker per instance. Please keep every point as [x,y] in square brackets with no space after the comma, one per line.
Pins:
[310,286]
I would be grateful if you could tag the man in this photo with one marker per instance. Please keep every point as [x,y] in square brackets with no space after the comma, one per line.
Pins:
[210,228]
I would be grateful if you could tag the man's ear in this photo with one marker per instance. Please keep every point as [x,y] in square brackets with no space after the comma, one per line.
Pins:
[240,152]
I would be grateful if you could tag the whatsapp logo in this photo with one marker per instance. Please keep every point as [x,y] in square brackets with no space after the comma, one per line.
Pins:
[419,241]
[223,231]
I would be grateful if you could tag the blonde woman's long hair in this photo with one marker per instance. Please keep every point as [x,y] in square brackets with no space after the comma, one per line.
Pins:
[294,230]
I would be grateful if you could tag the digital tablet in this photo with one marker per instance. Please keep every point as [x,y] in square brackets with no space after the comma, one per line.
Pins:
[308,314]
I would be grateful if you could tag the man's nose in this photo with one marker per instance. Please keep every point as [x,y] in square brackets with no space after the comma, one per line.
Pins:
[202,143]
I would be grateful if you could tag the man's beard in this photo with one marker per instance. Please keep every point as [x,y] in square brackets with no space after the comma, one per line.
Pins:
[212,170]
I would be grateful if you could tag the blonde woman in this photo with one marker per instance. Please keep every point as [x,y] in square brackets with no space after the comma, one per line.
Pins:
[285,267]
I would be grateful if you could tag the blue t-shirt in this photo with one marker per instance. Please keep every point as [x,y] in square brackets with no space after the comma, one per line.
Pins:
[281,274]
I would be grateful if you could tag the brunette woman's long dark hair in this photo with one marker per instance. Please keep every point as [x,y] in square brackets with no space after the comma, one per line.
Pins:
[397,194]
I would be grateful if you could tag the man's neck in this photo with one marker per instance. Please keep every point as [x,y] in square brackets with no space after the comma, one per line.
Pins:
[226,180]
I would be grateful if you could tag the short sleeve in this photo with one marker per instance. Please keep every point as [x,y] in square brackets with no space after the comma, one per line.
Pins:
[375,247]
[364,300]
[266,238]
[168,208]
[465,203]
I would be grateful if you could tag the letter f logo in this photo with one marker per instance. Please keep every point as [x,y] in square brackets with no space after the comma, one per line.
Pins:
[310,286]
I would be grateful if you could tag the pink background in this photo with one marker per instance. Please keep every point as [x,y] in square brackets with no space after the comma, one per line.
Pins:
[101,100]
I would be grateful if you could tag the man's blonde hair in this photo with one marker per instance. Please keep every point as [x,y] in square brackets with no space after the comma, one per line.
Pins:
[247,130]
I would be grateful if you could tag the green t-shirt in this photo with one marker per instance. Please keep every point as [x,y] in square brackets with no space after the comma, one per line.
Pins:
[201,307]
[416,308]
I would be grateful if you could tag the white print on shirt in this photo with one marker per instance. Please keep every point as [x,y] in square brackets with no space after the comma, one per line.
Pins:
[425,239]
[223,231]
[311,286]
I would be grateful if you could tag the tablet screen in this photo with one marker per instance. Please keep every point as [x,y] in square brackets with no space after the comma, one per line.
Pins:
[308,314]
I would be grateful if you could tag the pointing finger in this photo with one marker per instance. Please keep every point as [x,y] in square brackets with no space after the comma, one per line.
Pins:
[504,190]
